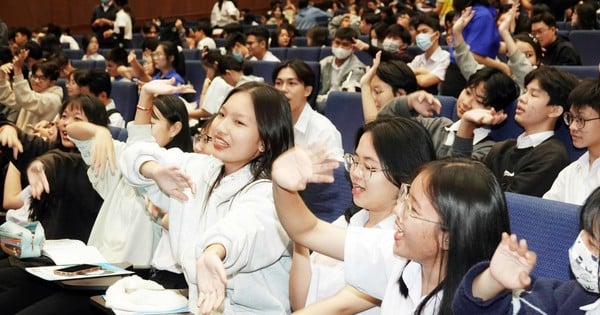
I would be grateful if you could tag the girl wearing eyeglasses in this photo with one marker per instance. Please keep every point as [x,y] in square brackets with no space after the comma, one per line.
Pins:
[451,218]
[388,150]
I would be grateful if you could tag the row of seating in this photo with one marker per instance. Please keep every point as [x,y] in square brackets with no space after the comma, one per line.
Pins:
[344,109]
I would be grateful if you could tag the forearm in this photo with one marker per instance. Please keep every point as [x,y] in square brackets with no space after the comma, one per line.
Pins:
[304,227]
[368,103]
[143,111]
[427,79]
[485,286]
[216,249]
[489,62]
[300,277]
[199,113]
[12,188]
[347,301]
[83,130]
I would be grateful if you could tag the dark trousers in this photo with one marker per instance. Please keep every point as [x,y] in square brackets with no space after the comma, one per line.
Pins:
[454,82]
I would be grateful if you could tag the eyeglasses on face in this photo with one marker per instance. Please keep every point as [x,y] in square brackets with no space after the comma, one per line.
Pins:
[38,77]
[407,208]
[569,118]
[352,162]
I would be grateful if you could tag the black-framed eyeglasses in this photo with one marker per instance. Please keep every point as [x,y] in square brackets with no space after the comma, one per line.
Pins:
[569,118]
[407,208]
[352,162]
[38,77]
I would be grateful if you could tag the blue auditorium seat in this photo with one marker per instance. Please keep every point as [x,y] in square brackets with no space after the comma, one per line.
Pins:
[264,69]
[299,41]
[509,129]
[62,82]
[581,72]
[325,51]
[344,109]
[304,53]
[118,133]
[137,40]
[550,228]
[448,107]
[73,54]
[279,52]
[194,73]
[125,95]
[316,68]
[83,64]
[191,54]
[587,44]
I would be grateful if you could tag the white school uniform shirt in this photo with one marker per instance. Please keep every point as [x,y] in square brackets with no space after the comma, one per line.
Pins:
[222,17]
[371,267]
[533,140]
[437,63]
[576,181]
[94,56]
[206,42]
[267,57]
[258,255]
[124,20]
[115,119]
[313,129]
[123,230]
[479,133]
[215,95]
[327,274]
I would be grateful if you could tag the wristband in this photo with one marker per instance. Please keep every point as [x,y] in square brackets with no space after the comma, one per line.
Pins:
[143,108]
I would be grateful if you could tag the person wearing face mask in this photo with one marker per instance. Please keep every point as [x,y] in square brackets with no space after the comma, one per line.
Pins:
[430,66]
[487,286]
[341,71]
[394,46]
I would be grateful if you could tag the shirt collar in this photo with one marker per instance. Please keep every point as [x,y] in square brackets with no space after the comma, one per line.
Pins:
[479,133]
[533,140]
[303,120]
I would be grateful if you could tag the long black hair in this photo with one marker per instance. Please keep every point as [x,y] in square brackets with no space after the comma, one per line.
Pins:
[174,110]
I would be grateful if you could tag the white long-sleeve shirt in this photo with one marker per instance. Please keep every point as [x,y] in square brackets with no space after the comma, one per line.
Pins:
[239,216]
[576,181]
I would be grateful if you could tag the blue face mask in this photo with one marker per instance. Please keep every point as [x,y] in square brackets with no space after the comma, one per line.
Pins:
[238,57]
[423,41]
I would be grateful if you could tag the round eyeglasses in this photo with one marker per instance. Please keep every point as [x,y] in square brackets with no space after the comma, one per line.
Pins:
[407,208]
[352,162]
[569,118]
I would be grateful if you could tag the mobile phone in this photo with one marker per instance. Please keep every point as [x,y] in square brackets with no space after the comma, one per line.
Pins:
[76,270]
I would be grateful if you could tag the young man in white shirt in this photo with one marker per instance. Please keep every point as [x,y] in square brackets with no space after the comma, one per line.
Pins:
[577,181]
[257,42]
[202,36]
[430,66]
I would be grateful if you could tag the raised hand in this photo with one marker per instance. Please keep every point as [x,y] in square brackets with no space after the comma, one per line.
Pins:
[166,87]
[512,262]
[37,179]
[103,152]
[368,76]
[172,181]
[5,71]
[9,138]
[424,103]
[297,167]
[211,278]
[462,22]
[482,116]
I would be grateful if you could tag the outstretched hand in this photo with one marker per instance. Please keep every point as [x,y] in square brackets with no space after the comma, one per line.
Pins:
[482,116]
[211,278]
[173,181]
[103,152]
[424,103]
[9,138]
[166,87]
[507,18]
[37,179]
[512,262]
[368,76]
[297,167]
[463,20]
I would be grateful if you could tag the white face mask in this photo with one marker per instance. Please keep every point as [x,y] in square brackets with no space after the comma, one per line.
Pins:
[341,53]
[584,265]
[423,41]
[390,45]
[374,42]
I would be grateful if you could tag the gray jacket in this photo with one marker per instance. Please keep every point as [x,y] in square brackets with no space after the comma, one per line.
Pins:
[349,78]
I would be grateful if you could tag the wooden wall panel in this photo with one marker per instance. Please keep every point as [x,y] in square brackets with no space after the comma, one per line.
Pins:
[76,13]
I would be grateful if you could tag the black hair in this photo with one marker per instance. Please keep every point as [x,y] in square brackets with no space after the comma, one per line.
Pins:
[589,219]
[472,210]
[459,5]
[232,39]
[544,17]
[204,27]
[117,55]
[430,20]
[396,30]
[533,42]
[23,30]
[303,72]
[98,81]
[91,106]
[274,121]
[5,54]
[211,59]
[346,33]
[302,4]
[178,62]
[81,77]
[557,83]
[586,93]
[85,41]
[371,18]
[261,33]
[150,43]
[35,50]
[174,110]
[402,145]
[49,68]
[500,89]
[380,28]
[232,28]
[277,32]
[228,62]
[586,15]
[148,26]
[398,75]
[50,45]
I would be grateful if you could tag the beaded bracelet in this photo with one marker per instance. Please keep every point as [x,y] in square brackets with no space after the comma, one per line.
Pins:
[142,108]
